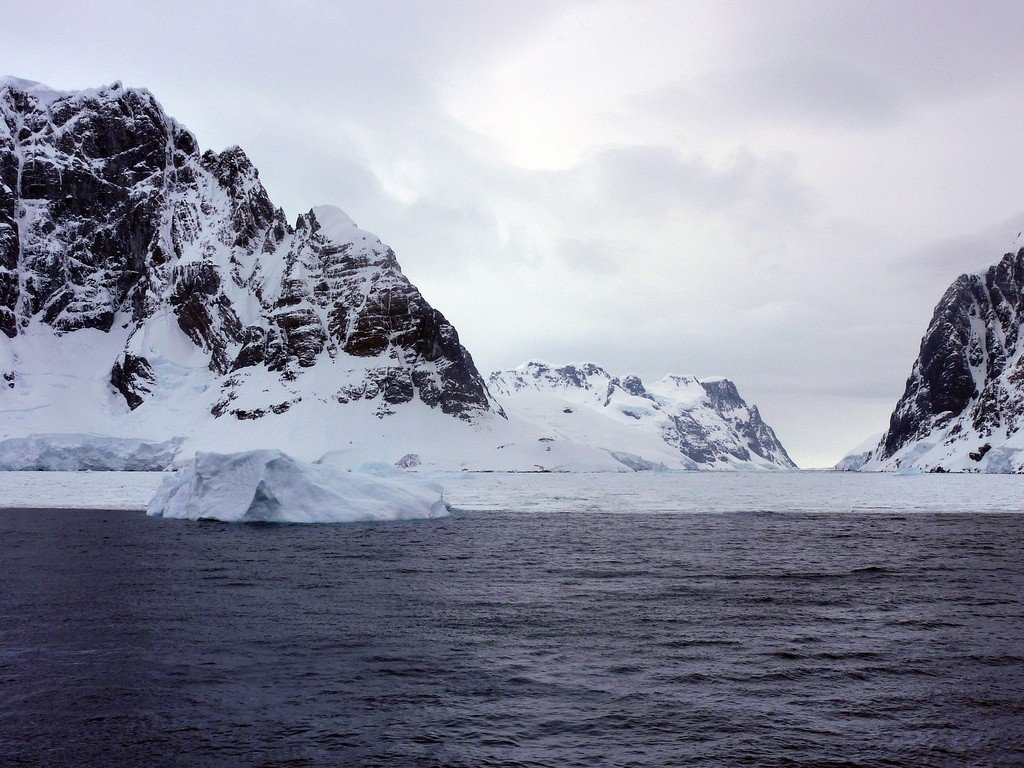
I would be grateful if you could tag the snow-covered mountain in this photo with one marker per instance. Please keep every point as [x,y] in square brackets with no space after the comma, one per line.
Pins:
[963,407]
[149,290]
[149,287]
[679,422]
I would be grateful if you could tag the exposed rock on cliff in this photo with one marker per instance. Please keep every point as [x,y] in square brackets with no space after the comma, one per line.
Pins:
[963,407]
[112,220]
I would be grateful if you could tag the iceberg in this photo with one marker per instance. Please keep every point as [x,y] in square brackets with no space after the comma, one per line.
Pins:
[271,486]
[83,452]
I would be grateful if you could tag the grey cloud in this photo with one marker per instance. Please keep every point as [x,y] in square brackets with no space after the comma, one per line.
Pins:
[947,259]
[438,241]
[920,49]
[849,65]
[653,179]
[595,256]
[645,182]
[815,91]
[818,90]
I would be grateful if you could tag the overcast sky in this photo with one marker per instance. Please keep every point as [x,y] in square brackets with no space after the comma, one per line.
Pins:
[776,192]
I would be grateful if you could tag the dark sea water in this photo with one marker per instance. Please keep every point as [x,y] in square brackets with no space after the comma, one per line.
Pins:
[503,638]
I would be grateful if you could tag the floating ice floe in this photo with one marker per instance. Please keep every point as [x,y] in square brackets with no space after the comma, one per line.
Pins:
[270,486]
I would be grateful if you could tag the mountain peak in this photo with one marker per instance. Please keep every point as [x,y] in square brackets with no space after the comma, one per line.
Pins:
[337,226]
[45,96]
[331,216]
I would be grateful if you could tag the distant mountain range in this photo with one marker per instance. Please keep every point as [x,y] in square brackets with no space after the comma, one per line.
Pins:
[963,406]
[678,421]
[152,290]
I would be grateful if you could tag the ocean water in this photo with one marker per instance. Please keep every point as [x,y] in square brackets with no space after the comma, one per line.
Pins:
[528,630]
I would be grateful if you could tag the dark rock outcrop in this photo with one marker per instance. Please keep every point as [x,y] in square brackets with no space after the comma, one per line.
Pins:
[966,390]
[86,178]
[132,376]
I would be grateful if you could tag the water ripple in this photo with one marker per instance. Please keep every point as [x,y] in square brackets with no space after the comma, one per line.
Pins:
[514,639]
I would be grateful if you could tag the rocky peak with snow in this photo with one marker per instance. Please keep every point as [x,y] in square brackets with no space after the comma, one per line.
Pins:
[537,375]
[113,220]
[704,422]
[963,406]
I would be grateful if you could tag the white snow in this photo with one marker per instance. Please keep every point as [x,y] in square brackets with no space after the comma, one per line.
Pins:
[957,446]
[337,226]
[63,386]
[334,223]
[680,390]
[270,486]
[42,93]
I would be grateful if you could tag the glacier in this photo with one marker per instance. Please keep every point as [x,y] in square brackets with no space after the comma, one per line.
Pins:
[69,452]
[860,454]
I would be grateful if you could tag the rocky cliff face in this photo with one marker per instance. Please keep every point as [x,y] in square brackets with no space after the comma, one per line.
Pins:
[703,422]
[963,407]
[112,220]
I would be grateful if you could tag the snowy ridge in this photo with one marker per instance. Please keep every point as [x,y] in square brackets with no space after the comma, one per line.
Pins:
[678,422]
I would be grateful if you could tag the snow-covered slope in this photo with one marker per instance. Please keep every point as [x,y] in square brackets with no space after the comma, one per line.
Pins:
[963,408]
[679,422]
[151,290]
